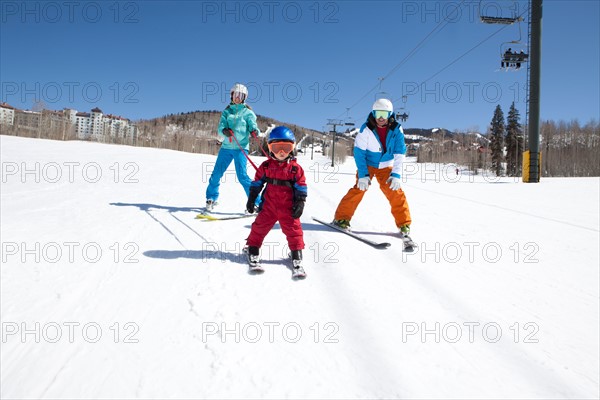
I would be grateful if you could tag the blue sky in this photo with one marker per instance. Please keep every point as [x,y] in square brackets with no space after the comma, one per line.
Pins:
[304,61]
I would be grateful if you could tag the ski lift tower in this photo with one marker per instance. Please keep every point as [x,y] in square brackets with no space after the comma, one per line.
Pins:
[531,158]
[334,123]
[533,124]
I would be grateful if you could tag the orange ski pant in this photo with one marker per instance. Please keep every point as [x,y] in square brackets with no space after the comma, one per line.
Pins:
[396,198]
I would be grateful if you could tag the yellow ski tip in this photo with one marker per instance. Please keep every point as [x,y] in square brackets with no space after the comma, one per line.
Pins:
[206,216]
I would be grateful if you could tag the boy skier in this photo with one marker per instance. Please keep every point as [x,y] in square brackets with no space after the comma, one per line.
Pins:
[282,200]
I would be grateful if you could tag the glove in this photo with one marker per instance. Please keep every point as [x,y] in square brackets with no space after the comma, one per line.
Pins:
[250,206]
[227,132]
[393,182]
[363,183]
[251,203]
[297,208]
[254,134]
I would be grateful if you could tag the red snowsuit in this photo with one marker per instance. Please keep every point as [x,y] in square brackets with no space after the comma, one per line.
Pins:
[285,183]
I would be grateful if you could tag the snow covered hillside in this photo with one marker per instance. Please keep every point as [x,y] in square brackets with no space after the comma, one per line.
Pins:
[111,289]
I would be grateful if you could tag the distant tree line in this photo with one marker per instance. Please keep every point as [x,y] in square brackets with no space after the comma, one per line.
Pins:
[468,150]
[568,148]
[196,132]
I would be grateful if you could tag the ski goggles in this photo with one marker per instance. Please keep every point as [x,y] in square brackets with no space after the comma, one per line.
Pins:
[238,95]
[276,147]
[381,114]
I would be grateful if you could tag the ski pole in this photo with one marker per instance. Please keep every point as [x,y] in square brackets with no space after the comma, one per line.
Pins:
[244,151]
[261,149]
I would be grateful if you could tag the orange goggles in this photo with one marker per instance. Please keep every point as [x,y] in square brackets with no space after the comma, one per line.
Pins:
[286,147]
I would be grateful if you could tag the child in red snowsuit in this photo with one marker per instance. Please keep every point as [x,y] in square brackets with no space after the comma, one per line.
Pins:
[282,200]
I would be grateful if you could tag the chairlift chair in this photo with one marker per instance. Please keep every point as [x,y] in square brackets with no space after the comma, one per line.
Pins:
[401,116]
[486,19]
[489,19]
[512,54]
[349,121]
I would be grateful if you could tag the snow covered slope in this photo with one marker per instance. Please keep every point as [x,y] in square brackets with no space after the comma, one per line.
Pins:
[111,289]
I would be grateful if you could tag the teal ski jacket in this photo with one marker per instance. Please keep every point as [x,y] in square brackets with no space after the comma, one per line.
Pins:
[241,120]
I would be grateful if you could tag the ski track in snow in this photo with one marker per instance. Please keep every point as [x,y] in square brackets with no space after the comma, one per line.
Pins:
[186,276]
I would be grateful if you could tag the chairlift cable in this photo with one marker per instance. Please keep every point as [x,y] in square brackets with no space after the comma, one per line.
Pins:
[439,26]
[465,53]
[418,47]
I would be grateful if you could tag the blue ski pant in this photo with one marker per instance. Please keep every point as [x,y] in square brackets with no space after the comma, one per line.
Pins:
[224,159]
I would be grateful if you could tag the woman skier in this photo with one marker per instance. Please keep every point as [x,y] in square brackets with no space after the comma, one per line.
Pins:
[237,124]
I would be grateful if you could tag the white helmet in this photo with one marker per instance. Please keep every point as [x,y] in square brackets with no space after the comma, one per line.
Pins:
[239,88]
[383,105]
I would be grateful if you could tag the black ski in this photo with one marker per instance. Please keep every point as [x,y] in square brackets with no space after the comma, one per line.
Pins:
[383,245]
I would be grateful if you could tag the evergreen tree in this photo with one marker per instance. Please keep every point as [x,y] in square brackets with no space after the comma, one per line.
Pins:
[497,140]
[514,142]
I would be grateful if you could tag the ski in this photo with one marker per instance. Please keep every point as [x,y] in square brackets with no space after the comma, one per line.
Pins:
[383,245]
[209,217]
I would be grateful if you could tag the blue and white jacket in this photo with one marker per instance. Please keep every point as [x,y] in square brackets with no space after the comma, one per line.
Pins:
[368,151]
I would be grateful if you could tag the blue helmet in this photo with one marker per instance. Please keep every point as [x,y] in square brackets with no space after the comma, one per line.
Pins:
[282,133]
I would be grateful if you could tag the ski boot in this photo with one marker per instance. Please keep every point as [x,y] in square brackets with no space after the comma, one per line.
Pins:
[297,269]
[210,205]
[253,255]
[342,223]
[409,245]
